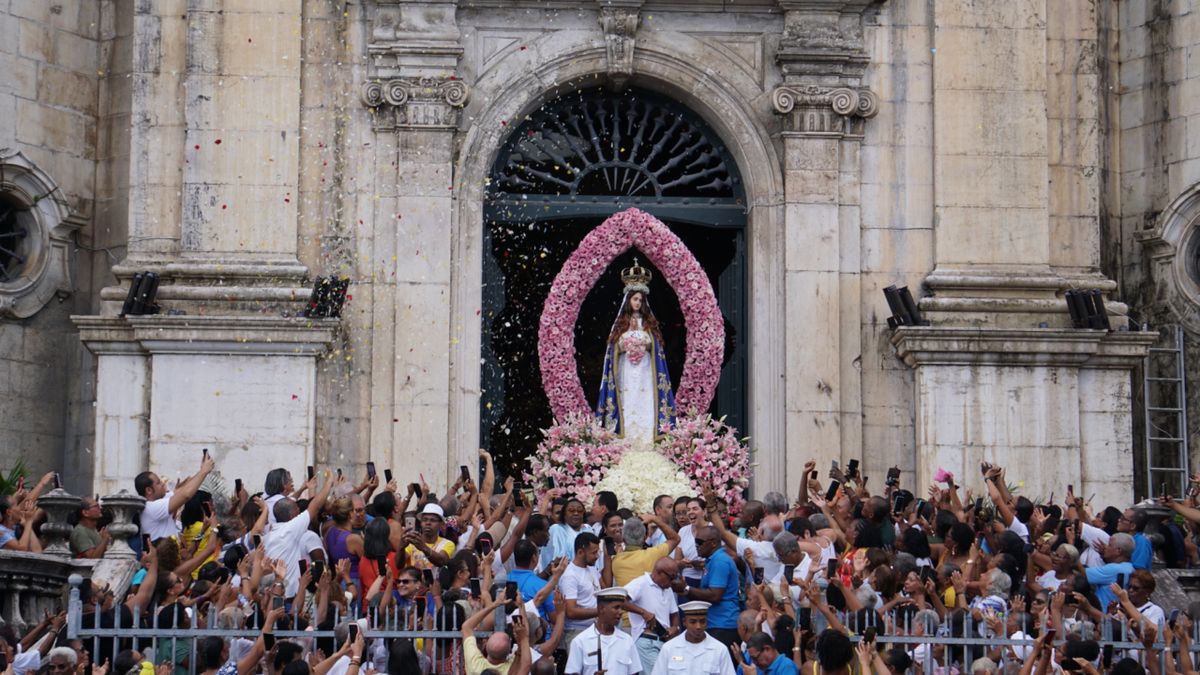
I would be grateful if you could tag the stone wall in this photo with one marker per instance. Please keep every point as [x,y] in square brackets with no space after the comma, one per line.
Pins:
[50,107]
[1155,133]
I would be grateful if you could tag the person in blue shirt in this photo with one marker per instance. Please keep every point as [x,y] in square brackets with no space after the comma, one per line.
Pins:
[1133,523]
[720,586]
[1116,564]
[766,659]
[525,558]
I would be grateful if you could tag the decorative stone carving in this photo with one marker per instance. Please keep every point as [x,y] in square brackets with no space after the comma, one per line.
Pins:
[620,25]
[415,102]
[58,504]
[1173,245]
[38,267]
[823,38]
[124,507]
[824,111]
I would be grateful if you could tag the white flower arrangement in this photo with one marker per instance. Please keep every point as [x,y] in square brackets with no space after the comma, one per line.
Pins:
[640,476]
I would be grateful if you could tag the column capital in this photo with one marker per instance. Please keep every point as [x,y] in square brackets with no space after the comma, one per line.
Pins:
[415,102]
[813,110]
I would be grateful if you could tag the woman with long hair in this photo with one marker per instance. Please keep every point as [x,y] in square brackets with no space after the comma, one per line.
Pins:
[340,541]
[635,399]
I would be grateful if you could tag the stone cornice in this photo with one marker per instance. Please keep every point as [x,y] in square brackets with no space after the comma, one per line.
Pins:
[936,345]
[241,335]
[619,21]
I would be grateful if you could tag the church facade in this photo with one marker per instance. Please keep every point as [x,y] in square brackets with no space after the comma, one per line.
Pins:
[445,156]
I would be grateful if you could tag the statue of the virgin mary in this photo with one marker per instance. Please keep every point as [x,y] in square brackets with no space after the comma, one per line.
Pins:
[636,400]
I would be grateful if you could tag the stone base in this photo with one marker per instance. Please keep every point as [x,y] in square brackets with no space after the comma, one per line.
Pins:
[170,386]
[1051,405]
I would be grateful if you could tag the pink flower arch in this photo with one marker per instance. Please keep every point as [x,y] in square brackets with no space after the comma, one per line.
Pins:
[702,317]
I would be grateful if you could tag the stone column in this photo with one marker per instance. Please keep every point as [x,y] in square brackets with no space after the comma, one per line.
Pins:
[414,95]
[824,108]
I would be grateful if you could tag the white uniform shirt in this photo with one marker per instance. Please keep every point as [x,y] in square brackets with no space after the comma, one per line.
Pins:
[580,584]
[619,653]
[680,657]
[648,595]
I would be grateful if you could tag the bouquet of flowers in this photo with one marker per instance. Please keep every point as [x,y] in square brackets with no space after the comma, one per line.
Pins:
[642,475]
[710,454]
[636,345]
[577,453]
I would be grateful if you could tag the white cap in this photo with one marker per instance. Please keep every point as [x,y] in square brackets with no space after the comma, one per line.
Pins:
[613,593]
[695,607]
[434,510]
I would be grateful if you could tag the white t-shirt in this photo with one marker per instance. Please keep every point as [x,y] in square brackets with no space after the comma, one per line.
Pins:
[1049,581]
[580,584]
[1020,529]
[687,548]
[1088,555]
[285,542]
[311,541]
[269,504]
[157,520]
[648,595]
[764,557]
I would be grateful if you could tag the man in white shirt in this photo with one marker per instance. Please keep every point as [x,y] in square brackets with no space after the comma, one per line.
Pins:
[162,505]
[691,561]
[695,651]
[663,507]
[579,584]
[652,594]
[601,646]
[286,541]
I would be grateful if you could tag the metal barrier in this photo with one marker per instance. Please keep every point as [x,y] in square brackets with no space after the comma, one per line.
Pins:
[953,642]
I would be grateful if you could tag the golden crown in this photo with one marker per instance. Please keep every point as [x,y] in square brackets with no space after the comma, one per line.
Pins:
[636,278]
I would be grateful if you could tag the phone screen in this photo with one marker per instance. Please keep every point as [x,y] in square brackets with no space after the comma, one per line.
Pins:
[831,568]
[371,469]
[510,590]
[475,590]
[1121,580]
[804,618]
[237,485]
[485,546]
[352,631]
[789,573]
[416,488]
[387,475]
[303,566]
[758,575]
[464,471]
[146,544]
[277,602]
[312,472]
[427,574]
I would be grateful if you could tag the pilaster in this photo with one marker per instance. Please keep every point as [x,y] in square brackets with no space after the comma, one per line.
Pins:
[824,108]
[415,95]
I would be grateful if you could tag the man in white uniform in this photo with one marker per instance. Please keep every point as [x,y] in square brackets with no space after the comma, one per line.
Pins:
[601,646]
[695,652]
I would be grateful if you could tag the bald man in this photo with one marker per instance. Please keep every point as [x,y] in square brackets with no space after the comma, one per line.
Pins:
[497,649]
[653,614]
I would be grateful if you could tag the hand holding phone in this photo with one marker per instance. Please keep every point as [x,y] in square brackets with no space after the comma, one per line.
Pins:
[312,472]
[476,591]
[387,475]
[352,632]
[464,472]
[370,469]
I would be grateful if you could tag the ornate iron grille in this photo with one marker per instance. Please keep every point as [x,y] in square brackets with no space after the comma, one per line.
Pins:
[595,143]
[12,234]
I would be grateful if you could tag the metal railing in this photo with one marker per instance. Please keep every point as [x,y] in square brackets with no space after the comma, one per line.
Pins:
[953,642]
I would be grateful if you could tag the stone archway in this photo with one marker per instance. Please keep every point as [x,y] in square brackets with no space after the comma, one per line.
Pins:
[661,63]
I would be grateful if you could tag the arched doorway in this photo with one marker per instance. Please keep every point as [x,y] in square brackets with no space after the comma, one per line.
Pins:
[565,168]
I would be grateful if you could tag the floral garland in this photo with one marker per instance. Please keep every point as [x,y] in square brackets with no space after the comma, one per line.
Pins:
[702,316]
[576,454]
[710,454]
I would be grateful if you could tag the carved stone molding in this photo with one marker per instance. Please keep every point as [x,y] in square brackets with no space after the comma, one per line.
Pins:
[619,24]
[823,38]
[416,102]
[824,111]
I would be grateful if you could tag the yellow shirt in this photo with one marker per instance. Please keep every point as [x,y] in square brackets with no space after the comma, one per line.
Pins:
[189,533]
[476,662]
[417,559]
[631,564]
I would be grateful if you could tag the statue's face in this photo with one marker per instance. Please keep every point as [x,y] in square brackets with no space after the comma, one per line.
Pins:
[635,302]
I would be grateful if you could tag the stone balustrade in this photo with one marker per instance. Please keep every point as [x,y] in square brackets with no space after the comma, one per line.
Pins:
[34,583]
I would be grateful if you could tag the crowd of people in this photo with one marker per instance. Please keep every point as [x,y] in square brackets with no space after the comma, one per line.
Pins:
[496,577]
